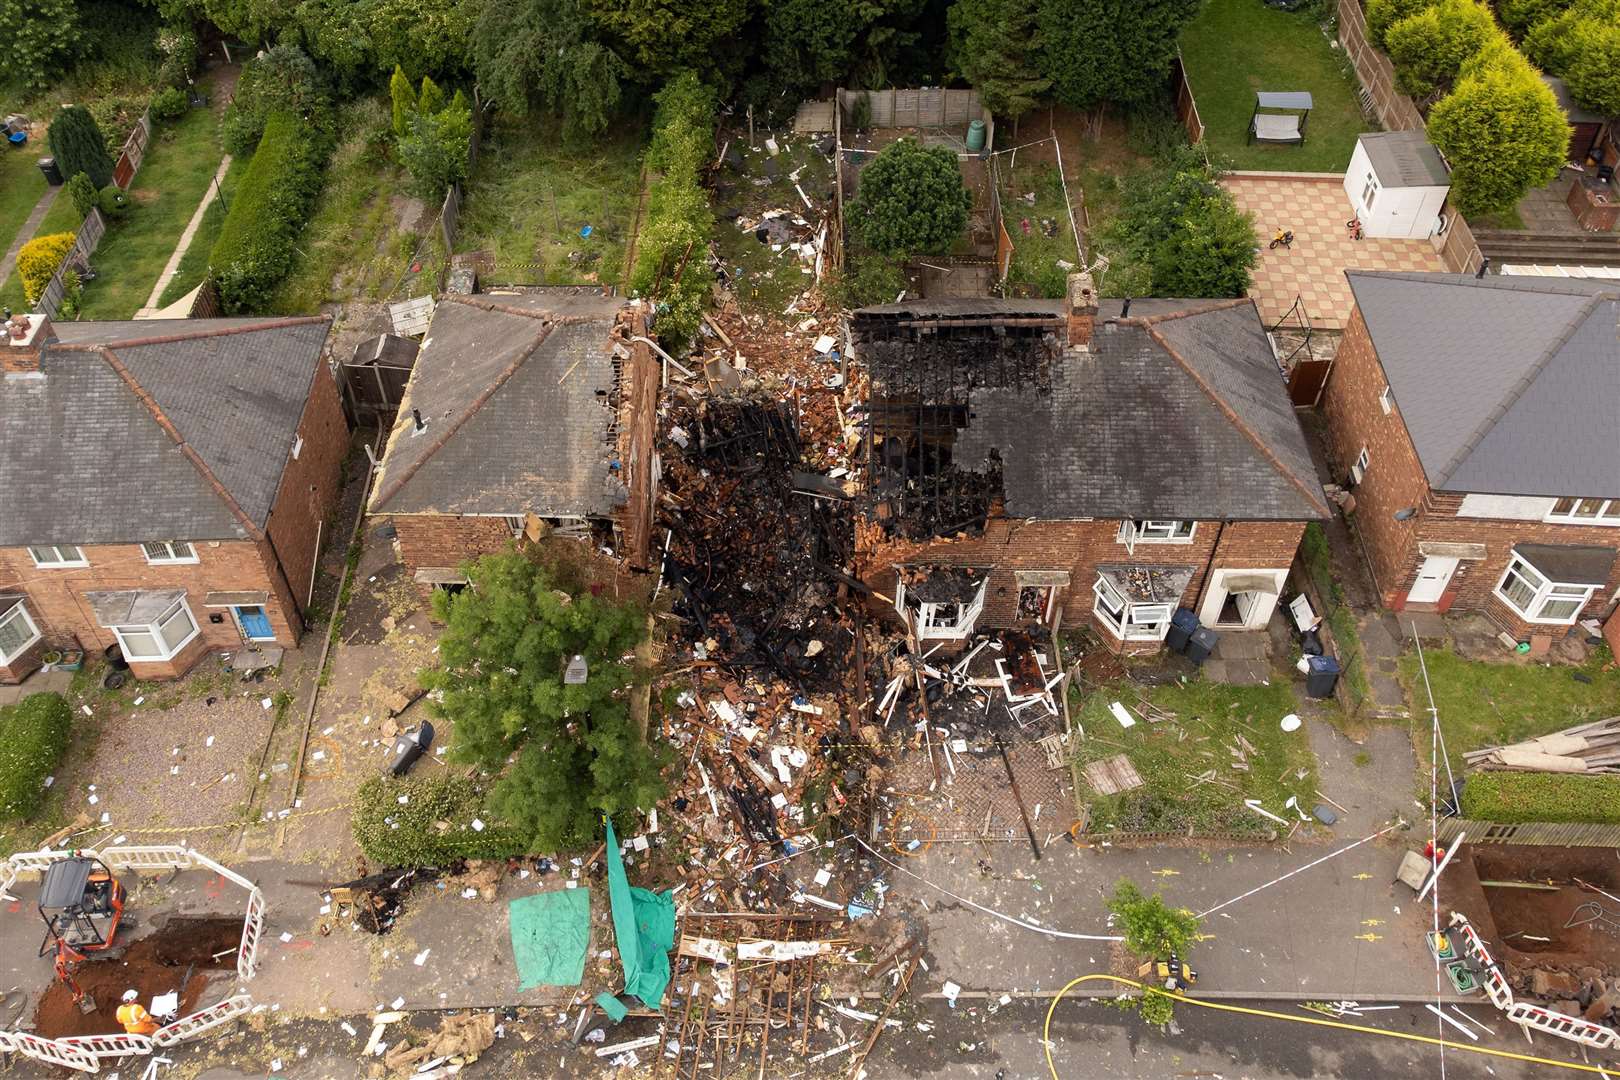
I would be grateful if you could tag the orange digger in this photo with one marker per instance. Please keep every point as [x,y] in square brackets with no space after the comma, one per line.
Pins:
[82,903]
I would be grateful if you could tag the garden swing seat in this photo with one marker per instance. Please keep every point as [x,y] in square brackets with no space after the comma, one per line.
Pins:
[1284,123]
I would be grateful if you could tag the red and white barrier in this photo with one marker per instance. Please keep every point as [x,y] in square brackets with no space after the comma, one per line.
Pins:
[189,1027]
[247,954]
[120,1045]
[1572,1028]
[1496,987]
[52,1051]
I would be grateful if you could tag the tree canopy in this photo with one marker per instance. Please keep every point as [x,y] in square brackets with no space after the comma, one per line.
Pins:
[995,45]
[39,37]
[76,141]
[1431,47]
[544,54]
[1181,232]
[1116,52]
[1501,129]
[1582,44]
[566,754]
[911,200]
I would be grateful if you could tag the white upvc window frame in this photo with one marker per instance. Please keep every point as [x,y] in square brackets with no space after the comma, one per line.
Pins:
[156,631]
[1156,531]
[19,610]
[1544,592]
[58,562]
[1605,512]
[517,523]
[933,624]
[169,556]
[1386,400]
[1130,620]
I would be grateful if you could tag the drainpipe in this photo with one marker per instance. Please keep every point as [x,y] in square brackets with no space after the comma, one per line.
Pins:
[1209,567]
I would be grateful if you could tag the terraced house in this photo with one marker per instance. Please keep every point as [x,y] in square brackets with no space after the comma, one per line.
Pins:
[165,486]
[1112,460]
[1474,419]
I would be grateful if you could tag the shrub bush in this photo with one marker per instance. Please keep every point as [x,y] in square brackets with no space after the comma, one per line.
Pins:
[435,149]
[169,104]
[1582,44]
[113,202]
[82,190]
[1429,48]
[33,737]
[255,249]
[38,260]
[1182,232]
[911,200]
[284,79]
[432,827]
[1510,797]
[873,279]
[76,141]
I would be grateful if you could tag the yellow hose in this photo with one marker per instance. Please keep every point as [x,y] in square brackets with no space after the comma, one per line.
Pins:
[1046,1029]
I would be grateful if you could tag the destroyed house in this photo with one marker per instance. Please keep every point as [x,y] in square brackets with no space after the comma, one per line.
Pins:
[528,413]
[1111,462]
[165,485]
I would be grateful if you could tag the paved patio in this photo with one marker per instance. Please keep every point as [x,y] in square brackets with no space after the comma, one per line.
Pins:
[1315,208]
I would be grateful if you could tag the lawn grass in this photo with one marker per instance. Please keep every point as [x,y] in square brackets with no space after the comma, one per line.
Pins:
[352,247]
[21,185]
[765,281]
[194,263]
[1035,270]
[532,193]
[1488,704]
[1237,47]
[180,161]
[1169,754]
[1098,166]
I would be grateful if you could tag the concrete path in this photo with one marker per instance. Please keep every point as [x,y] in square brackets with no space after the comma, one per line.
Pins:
[180,249]
[26,233]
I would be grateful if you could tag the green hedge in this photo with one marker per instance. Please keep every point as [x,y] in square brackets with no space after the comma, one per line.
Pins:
[33,737]
[674,239]
[257,243]
[1510,797]
[392,833]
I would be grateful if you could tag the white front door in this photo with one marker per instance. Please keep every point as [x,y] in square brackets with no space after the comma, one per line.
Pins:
[1432,578]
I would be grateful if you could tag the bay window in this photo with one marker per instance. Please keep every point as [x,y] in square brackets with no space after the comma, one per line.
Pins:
[17,629]
[1530,593]
[1126,619]
[160,639]
[1586,511]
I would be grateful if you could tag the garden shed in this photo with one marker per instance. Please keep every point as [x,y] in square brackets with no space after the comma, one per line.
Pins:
[1397,183]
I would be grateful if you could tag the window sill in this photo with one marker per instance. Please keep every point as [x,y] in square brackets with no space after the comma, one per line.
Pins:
[1599,522]
[1155,540]
[173,562]
[1540,622]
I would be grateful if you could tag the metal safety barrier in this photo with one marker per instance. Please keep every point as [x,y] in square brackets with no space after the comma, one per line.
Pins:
[247,954]
[53,1051]
[8,878]
[189,1027]
[1572,1028]
[108,1046]
[37,862]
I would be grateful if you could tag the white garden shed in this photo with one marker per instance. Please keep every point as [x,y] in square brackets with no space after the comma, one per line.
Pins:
[1397,184]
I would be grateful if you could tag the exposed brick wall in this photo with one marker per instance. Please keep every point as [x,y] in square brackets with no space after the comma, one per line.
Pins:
[1395,480]
[55,597]
[29,662]
[1010,545]
[310,485]
[446,540]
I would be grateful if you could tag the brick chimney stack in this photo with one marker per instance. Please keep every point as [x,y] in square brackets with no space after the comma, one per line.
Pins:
[25,336]
[1082,308]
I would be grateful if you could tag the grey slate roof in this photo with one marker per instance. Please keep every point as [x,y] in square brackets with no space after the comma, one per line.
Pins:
[514,391]
[98,466]
[1178,412]
[1405,159]
[1507,385]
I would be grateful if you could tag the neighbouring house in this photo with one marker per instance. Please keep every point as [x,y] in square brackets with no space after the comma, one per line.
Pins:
[1109,460]
[166,484]
[529,413]
[1474,420]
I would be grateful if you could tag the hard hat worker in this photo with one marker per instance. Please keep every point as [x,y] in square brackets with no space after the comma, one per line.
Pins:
[133,1015]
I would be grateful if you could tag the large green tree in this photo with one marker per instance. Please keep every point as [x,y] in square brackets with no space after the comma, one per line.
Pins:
[39,37]
[434,149]
[566,754]
[1502,131]
[995,44]
[1181,233]
[78,146]
[663,37]
[547,55]
[1431,47]
[1582,44]
[911,200]
[1118,52]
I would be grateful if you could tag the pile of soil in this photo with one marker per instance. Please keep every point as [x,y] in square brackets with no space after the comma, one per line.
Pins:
[183,951]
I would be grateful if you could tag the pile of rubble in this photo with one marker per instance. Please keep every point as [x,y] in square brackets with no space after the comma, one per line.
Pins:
[1585,992]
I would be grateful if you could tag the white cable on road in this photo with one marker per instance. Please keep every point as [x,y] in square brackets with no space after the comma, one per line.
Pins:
[980,907]
[1300,870]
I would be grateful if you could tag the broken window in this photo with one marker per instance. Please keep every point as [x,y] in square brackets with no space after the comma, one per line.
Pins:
[1128,620]
[941,601]
[1034,603]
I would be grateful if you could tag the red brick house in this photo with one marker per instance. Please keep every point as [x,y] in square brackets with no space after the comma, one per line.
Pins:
[165,484]
[1475,421]
[528,413]
[1112,461]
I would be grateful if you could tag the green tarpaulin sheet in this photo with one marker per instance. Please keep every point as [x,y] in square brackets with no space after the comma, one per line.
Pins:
[644,925]
[551,933]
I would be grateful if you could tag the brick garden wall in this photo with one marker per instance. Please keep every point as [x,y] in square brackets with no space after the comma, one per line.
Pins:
[446,540]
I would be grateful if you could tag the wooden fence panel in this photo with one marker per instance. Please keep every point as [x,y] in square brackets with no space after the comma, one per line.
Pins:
[90,233]
[1186,104]
[1538,833]
[133,153]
